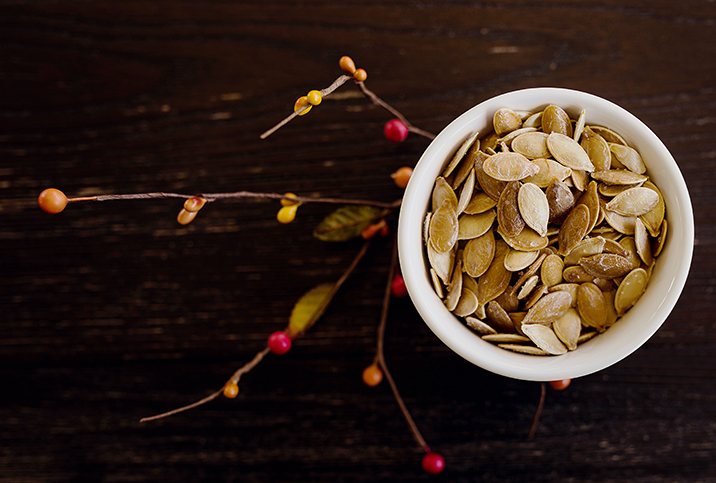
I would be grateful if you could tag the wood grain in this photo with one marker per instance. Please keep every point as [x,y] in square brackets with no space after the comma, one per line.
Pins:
[112,311]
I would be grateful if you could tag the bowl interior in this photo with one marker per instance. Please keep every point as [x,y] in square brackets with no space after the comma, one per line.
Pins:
[629,332]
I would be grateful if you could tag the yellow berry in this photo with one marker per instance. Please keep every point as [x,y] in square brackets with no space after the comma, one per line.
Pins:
[287,214]
[301,102]
[194,204]
[231,390]
[314,98]
[52,200]
[360,75]
[347,65]
[285,202]
[185,217]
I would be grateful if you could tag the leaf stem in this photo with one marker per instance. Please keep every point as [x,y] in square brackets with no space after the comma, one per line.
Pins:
[381,356]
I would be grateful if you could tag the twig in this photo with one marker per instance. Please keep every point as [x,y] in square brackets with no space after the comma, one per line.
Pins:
[234,379]
[210,197]
[381,357]
[372,97]
[324,92]
[538,411]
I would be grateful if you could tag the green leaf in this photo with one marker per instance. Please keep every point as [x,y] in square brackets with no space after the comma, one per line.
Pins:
[309,308]
[346,223]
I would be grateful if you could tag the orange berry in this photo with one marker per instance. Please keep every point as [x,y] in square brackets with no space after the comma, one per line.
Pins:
[287,214]
[314,98]
[372,375]
[360,75]
[231,390]
[301,102]
[385,231]
[560,385]
[194,204]
[52,200]
[402,176]
[372,230]
[185,217]
[347,65]
[285,202]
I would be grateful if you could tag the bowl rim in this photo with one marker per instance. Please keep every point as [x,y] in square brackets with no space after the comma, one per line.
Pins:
[455,333]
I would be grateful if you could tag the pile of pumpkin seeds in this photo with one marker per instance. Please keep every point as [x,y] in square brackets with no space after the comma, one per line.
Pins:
[544,232]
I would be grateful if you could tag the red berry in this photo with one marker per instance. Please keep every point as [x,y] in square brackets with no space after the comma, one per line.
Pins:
[372,375]
[52,200]
[433,463]
[279,343]
[384,231]
[560,385]
[395,130]
[398,288]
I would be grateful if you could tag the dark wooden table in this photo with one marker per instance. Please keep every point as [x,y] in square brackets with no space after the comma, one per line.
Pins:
[113,311]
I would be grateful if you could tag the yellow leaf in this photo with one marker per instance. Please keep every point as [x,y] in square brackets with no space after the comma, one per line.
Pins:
[309,308]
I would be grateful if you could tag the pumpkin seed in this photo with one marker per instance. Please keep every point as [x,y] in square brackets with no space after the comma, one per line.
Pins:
[454,290]
[437,285]
[460,153]
[570,288]
[507,338]
[566,150]
[622,224]
[560,200]
[544,338]
[634,202]
[509,139]
[652,219]
[548,309]
[442,262]
[524,349]
[498,318]
[549,169]
[554,119]
[585,248]
[467,303]
[529,285]
[585,336]
[505,121]
[573,229]
[661,240]
[517,260]
[479,254]
[534,207]
[618,177]
[629,157]
[606,265]
[592,306]
[534,120]
[443,192]
[509,219]
[597,149]
[567,328]
[643,247]
[609,135]
[466,193]
[526,241]
[479,203]
[580,179]
[576,274]
[494,281]
[551,271]
[479,326]
[491,186]
[473,226]
[629,291]
[509,167]
[579,125]
[444,227]
[531,145]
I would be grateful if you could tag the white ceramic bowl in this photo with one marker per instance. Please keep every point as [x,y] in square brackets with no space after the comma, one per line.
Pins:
[629,332]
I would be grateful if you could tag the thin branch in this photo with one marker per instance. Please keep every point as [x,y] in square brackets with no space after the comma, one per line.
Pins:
[324,93]
[538,411]
[210,197]
[381,356]
[372,97]
[236,376]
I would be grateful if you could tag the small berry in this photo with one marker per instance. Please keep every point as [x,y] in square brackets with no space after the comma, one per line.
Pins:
[372,375]
[314,98]
[285,202]
[385,231]
[287,214]
[398,287]
[279,343]
[402,176]
[185,217]
[194,204]
[231,390]
[560,385]
[52,200]
[395,130]
[360,75]
[347,65]
[433,463]
[300,102]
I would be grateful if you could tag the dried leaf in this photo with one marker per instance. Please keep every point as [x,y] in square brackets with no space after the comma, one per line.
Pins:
[346,223]
[309,308]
